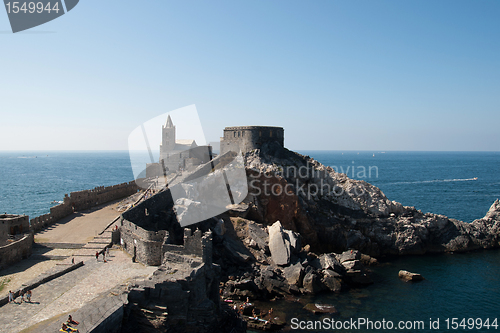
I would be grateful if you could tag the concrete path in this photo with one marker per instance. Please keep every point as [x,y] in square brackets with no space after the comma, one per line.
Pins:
[78,228]
[73,290]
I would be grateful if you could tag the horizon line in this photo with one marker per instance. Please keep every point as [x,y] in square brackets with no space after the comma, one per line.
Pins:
[306,149]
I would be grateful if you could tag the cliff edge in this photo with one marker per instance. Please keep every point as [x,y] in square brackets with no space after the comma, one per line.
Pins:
[334,213]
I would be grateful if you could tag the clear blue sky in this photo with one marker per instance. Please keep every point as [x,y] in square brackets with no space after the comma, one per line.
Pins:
[353,75]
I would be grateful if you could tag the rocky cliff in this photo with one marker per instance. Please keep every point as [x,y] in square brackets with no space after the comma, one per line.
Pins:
[335,213]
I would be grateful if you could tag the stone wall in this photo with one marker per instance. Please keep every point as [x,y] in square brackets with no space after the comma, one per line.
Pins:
[195,244]
[82,200]
[247,138]
[16,251]
[144,246]
[187,284]
[150,247]
[12,225]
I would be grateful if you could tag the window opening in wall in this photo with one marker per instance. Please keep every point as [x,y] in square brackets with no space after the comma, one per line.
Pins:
[260,133]
[271,134]
[234,133]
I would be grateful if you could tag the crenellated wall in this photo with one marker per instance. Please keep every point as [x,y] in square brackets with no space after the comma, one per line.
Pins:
[16,251]
[195,244]
[11,225]
[82,200]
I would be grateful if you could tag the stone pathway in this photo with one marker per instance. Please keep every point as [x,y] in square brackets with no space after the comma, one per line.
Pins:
[61,240]
[78,236]
[72,291]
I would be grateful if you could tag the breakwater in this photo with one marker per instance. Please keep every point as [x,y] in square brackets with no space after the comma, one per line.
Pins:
[82,200]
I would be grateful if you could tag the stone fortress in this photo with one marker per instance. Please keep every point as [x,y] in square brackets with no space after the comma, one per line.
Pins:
[144,228]
[177,155]
[248,138]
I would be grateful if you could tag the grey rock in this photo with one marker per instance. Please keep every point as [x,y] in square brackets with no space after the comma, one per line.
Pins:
[279,245]
[259,235]
[410,277]
[353,265]
[312,283]
[294,239]
[270,281]
[329,261]
[349,255]
[236,250]
[331,280]
[294,274]
[239,210]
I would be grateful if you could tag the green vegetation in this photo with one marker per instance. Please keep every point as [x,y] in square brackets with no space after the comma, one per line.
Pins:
[3,283]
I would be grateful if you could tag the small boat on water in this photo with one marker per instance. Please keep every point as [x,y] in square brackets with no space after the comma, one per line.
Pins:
[475,178]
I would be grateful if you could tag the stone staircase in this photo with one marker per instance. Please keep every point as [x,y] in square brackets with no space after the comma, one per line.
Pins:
[97,244]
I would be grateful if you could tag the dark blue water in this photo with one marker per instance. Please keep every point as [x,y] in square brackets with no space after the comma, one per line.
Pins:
[437,182]
[460,285]
[30,181]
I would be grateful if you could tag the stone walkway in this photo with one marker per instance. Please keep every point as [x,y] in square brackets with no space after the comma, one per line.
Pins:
[74,289]
[78,228]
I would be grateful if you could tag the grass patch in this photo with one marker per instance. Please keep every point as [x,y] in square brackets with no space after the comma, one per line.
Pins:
[3,283]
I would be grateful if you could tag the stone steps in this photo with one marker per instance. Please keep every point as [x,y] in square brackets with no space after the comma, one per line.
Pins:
[86,253]
[59,245]
[47,257]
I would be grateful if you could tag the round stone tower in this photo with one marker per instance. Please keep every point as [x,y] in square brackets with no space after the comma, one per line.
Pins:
[247,138]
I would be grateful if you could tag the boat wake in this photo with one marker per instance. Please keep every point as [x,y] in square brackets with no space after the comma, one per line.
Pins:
[435,181]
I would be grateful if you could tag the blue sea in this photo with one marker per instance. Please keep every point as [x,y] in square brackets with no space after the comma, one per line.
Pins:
[462,286]
[31,181]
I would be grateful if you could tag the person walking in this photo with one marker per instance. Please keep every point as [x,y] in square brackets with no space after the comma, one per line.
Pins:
[11,296]
[96,255]
[28,295]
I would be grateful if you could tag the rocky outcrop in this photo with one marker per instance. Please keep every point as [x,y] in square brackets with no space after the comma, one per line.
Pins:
[410,277]
[279,245]
[280,269]
[334,213]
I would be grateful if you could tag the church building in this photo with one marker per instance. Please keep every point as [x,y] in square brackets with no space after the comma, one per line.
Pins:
[176,155]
